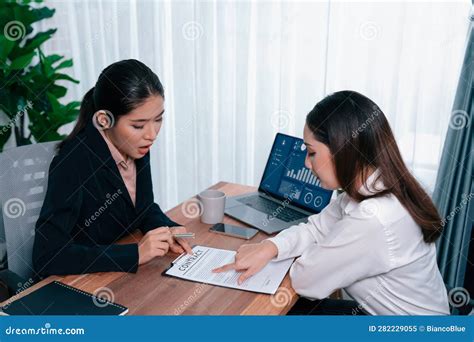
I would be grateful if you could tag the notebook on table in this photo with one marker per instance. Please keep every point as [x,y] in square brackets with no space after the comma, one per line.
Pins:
[57,298]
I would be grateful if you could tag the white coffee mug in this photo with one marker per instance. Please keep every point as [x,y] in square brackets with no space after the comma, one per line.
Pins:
[213,206]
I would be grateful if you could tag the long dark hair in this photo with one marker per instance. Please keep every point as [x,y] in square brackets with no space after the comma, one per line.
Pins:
[121,87]
[360,139]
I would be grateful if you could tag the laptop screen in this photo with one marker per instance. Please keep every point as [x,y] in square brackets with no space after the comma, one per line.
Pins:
[286,177]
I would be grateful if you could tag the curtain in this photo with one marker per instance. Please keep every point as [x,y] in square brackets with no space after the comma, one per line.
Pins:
[235,73]
[454,191]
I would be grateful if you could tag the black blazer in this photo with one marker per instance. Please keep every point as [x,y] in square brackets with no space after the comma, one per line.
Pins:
[87,208]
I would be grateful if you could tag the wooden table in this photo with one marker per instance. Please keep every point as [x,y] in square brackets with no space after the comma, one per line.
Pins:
[149,293]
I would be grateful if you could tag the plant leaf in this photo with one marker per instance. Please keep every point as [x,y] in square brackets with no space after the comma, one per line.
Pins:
[51,59]
[33,43]
[6,46]
[65,77]
[29,15]
[57,90]
[22,61]
[65,64]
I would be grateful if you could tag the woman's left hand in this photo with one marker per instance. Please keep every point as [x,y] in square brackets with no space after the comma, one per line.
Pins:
[179,245]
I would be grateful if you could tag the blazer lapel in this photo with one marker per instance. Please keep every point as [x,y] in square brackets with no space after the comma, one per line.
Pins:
[142,182]
[115,179]
[104,162]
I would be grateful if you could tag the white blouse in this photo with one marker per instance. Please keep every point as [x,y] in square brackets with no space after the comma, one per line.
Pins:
[373,249]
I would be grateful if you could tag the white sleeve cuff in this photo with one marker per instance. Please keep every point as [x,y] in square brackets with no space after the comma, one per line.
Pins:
[282,245]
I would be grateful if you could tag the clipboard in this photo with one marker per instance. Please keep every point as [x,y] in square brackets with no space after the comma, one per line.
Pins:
[267,281]
[172,264]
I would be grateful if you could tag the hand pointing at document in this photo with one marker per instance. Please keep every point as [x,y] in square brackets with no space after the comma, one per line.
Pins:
[250,259]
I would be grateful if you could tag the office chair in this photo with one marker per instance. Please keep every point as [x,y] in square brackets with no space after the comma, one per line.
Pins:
[23,184]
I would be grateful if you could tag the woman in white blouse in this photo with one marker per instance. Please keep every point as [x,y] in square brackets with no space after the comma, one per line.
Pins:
[376,240]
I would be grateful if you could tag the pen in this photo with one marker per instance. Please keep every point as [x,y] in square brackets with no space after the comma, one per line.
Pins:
[183,235]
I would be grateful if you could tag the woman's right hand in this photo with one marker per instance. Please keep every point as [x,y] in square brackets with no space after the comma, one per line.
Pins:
[154,243]
[250,259]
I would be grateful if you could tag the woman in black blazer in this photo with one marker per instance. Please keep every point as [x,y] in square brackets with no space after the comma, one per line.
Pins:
[89,205]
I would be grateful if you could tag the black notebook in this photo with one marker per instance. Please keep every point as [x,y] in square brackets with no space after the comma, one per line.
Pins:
[57,298]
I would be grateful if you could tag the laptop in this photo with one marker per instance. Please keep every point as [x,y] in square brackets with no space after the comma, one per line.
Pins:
[288,192]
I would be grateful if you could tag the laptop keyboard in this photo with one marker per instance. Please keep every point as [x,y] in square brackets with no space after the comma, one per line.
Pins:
[269,207]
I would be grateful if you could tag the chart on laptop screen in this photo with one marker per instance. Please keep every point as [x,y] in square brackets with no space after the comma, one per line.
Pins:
[286,175]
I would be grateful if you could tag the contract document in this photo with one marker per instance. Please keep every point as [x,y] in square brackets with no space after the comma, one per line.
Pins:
[198,267]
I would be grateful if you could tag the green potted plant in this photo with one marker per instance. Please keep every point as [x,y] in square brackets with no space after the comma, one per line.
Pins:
[30,81]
